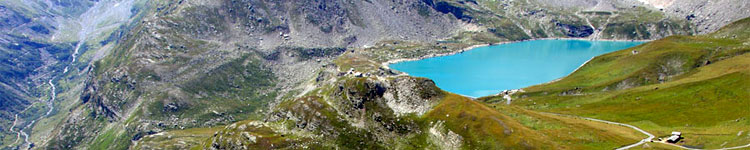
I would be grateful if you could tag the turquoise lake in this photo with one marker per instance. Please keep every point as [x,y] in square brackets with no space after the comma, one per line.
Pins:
[488,70]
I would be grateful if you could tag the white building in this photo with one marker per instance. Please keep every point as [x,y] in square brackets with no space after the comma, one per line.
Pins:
[676,136]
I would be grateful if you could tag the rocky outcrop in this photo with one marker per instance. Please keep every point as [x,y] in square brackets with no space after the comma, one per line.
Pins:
[411,95]
[575,31]
[708,16]
[366,111]
[445,139]
[448,8]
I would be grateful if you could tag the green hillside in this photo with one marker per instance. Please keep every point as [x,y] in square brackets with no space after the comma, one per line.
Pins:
[456,122]
[699,85]
[310,74]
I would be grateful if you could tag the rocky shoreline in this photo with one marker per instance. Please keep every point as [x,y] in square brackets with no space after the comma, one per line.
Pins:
[385,64]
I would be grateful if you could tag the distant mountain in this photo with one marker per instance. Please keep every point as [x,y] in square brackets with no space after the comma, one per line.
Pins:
[119,74]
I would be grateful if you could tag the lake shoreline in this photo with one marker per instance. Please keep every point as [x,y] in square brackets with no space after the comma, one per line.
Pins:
[472,47]
[587,61]
[558,79]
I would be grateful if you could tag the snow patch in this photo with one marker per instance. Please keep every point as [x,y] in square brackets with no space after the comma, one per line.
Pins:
[658,3]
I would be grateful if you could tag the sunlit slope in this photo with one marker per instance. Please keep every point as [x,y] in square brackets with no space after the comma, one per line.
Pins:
[508,127]
[352,114]
[699,85]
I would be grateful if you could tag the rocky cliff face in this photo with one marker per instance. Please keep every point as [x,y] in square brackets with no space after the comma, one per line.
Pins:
[207,63]
[359,112]
[184,64]
[350,113]
[708,16]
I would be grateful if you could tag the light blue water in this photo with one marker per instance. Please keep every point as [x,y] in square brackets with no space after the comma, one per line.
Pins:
[488,70]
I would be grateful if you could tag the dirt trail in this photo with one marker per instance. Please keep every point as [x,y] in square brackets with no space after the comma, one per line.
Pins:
[649,138]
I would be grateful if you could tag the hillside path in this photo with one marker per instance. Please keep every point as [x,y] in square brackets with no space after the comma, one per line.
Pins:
[649,138]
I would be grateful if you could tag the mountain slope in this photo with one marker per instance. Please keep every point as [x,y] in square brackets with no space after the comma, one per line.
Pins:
[45,47]
[202,64]
[437,120]
[199,64]
[677,104]
[697,85]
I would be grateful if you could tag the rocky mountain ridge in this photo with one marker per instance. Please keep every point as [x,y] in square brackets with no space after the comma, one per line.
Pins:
[198,63]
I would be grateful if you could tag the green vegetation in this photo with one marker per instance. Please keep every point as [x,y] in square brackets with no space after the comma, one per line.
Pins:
[236,89]
[476,125]
[176,139]
[499,126]
[694,84]
[111,140]
[481,126]
[701,91]
[156,94]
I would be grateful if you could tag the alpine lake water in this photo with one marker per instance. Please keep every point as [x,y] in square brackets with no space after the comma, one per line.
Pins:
[488,70]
